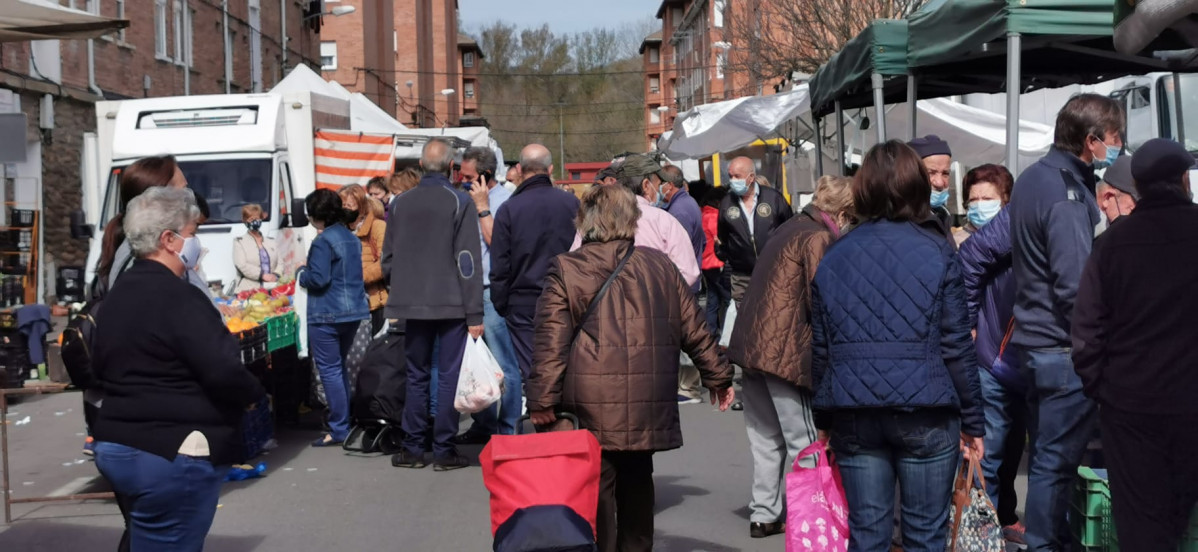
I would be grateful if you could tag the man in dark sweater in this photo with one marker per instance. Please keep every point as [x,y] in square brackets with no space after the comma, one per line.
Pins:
[1053,216]
[938,161]
[432,257]
[1131,345]
[535,225]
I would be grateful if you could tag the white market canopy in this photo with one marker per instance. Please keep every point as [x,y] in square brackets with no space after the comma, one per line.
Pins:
[23,20]
[364,115]
[977,136]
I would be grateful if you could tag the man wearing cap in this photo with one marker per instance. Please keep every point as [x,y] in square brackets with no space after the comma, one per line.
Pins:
[534,225]
[1134,322]
[606,177]
[1116,192]
[937,159]
[1053,217]
[748,216]
[642,175]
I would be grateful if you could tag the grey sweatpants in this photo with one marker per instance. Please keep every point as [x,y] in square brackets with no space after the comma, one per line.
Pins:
[780,425]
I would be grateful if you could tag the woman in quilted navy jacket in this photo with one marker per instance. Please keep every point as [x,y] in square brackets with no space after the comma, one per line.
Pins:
[893,364]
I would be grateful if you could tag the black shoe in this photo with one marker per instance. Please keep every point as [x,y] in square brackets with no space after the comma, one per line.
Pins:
[763,530]
[471,437]
[738,406]
[451,462]
[408,460]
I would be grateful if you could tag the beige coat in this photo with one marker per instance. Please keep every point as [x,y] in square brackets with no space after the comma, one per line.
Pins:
[249,267]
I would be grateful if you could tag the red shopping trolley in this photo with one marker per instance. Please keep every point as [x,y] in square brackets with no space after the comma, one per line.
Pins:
[544,489]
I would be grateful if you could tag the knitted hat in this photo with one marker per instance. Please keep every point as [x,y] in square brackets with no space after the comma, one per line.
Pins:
[930,145]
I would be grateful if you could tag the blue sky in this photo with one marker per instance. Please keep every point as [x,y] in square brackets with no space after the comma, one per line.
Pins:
[580,15]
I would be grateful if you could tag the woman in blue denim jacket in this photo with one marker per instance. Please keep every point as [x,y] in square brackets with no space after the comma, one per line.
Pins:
[336,304]
[893,364]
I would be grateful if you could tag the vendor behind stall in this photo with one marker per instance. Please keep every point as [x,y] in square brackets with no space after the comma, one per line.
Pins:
[255,256]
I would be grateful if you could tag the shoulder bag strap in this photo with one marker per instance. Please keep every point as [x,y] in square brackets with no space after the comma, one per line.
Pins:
[602,291]
[1006,338]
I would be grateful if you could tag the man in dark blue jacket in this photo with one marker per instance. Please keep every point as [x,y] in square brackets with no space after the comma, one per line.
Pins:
[432,257]
[535,225]
[1053,216]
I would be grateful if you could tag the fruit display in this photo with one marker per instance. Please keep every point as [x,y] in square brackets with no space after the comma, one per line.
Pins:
[250,309]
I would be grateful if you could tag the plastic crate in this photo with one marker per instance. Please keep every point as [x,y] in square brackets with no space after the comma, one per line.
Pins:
[281,331]
[1090,512]
[253,345]
[22,218]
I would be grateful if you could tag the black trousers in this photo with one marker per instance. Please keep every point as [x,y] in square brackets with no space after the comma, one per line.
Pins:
[626,497]
[1012,453]
[1154,476]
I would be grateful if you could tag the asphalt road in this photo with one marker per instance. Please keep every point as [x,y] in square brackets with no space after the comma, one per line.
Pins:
[322,499]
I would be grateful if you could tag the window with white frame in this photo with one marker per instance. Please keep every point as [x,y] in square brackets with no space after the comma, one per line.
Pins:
[468,59]
[717,17]
[654,85]
[654,116]
[160,28]
[328,56]
[255,11]
[721,61]
[189,17]
[654,55]
[676,16]
[469,85]
[93,7]
[177,26]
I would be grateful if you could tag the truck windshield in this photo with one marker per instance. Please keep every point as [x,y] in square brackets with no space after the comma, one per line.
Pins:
[230,184]
[1189,109]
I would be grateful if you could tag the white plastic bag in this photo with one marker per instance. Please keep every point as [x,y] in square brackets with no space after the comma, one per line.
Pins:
[729,323]
[480,383]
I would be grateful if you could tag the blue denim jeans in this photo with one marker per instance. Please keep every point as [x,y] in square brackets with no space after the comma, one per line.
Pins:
[419,340]
[1006,431]
[921,451]
[503,416]
[169,505]
[718,286]
[1061,421]
[330,343]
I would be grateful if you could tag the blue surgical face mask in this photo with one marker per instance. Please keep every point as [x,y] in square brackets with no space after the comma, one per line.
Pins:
[939,197]
[1112,153]
[981,212]
[661,197]
[739,186]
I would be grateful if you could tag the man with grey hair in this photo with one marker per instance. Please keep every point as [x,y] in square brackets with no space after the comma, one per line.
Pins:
[438,295]
[535,225]
[478,179]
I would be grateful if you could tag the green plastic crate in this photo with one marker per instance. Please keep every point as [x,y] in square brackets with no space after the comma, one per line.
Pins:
[1090,517]
[281,331]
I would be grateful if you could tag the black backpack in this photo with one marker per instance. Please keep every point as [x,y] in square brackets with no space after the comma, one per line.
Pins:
[78,339]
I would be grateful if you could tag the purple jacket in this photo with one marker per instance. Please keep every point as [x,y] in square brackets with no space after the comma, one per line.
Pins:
[990,295]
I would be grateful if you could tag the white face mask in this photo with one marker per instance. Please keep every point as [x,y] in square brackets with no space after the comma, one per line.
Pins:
[190,254]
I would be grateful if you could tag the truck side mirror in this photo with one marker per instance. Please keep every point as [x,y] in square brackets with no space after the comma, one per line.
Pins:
[80,229]
[299,218]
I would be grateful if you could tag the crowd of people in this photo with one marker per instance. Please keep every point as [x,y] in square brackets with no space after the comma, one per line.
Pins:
[865,319]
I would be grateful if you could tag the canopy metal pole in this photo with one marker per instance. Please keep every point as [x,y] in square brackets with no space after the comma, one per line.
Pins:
[879,106]
[840,139]
[1014,69]
[819,148]
[1181,127]
[912,112]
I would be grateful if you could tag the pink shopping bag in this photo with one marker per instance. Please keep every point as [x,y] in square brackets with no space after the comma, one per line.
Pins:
[817,517]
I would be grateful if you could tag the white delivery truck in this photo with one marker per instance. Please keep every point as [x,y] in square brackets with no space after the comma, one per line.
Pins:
[234,150]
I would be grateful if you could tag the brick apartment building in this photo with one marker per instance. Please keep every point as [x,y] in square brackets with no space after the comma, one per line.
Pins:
[422,59]
[171,47]
[686,63]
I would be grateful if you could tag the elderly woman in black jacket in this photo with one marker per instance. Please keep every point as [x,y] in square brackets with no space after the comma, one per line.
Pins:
[176,389]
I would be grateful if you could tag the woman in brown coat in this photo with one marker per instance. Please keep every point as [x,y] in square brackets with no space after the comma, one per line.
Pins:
[615,365]
[772,344]
[370,228]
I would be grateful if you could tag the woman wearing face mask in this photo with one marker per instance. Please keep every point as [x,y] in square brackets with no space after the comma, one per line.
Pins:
[772,344]
[988,188]
[336,304]
[988,275]
[168,430]
[368,225]
[255,256]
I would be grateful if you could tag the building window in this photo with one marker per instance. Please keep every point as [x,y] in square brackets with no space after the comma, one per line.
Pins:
[328,56]
[575,175]
[654,55]
[468,59]
[255,10]
[177,31]
[676,16]
[395,40]
[721,61]
[160,28]
[469,89]
[654,85]
[654,116]
[120,14]
[189,17]
[717,18]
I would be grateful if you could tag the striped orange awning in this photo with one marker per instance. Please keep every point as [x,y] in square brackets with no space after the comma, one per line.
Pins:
[344,158]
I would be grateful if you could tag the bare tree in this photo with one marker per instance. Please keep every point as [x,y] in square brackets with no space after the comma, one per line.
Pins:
[773,38]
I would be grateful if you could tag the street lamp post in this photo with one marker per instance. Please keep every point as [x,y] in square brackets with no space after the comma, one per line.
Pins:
[561,138]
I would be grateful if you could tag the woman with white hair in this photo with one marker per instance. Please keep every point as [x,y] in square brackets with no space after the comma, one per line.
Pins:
[176,389]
